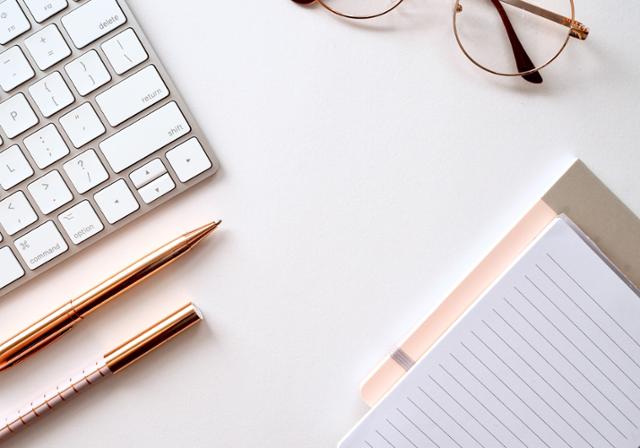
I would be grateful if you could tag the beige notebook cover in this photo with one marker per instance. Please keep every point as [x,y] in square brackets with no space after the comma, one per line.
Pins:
[581,196]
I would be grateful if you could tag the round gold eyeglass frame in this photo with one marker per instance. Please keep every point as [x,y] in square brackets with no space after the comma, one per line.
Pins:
[341,14]
[575,29]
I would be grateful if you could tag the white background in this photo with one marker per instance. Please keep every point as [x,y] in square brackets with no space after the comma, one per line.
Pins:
[365,170]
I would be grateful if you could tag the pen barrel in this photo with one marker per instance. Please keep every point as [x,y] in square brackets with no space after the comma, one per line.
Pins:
[127,278]
[56,323]
[46,402]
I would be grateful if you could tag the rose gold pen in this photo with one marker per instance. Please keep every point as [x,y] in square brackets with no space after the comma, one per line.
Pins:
[113,362]
[55,324]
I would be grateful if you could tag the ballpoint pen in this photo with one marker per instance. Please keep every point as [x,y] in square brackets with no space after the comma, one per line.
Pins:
[55,324]
[111,363]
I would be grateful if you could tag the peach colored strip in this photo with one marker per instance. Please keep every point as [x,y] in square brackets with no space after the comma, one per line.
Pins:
[495,263]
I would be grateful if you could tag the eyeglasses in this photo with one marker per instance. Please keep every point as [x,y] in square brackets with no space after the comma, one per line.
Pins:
[493,34]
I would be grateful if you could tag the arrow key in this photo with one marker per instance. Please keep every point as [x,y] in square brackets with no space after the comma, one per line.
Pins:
[116,201]
[145,174]
[189,160]
[157,188]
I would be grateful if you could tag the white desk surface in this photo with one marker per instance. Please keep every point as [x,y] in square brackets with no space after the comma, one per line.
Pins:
[365,170]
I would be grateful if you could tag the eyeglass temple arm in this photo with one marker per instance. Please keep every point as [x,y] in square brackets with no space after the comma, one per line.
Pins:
[523,61]
[578,30]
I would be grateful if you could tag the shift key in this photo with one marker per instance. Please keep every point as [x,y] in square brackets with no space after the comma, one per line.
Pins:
[144,137]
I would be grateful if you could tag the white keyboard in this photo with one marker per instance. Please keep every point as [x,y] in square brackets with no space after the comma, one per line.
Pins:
[93,132]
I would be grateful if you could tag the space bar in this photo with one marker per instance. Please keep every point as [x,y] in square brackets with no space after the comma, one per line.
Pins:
[144,137]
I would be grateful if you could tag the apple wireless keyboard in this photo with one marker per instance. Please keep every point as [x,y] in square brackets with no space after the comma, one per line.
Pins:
[94,133]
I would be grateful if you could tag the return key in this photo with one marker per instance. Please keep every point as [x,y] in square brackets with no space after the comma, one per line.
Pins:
[132,96]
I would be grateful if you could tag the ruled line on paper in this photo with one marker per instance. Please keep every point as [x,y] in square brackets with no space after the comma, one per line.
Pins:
[581,330]
[489,410]
[468,412]
[518,396]
[385,439]
[518,417]
[422,411]
[417,427]
[566,380]
[580,351]
[564,356]
[402,434]
[450,416]
[572,300]
[579,285]
[541,360]
[534,370]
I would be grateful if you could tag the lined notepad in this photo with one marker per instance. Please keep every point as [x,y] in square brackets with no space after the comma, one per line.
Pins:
[548,357]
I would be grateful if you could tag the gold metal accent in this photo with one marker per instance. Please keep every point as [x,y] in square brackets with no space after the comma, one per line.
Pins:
[55,324]
[348,16]
[119,358]
[566,21]
[576,29]
[152,338]
[579,30]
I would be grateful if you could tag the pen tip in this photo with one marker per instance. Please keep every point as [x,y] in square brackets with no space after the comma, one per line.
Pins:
[212,226]
[202,232]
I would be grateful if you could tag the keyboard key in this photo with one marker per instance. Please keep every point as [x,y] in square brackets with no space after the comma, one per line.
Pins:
[157,189]
[93,20]
[124,51]
[14,167]
[41,245]
[86,171]
[14,69]
[10,269]
[144,137]
[43,9]
[132,96]
[82,125]
[51,94]
[88,72]
[116,201]
[81,90]
[16,213]
[47,47]
[81,222]
[188,160]
[13,22]
[16,115]
[46,146]
[145,174]
[50,192]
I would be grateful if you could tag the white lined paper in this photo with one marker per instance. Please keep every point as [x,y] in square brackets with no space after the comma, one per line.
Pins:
[548,357]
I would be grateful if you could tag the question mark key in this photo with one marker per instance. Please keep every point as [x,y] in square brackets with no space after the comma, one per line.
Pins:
[86,171]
